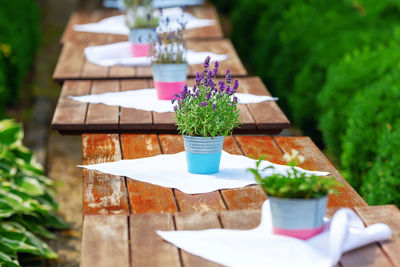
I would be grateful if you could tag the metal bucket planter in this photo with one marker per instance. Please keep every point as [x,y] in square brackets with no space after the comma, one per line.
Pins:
[300,218]
[169,79]
[203,154]
[140,39]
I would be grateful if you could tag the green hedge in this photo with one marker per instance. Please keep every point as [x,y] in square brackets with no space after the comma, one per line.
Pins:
[325,60]
[19,40]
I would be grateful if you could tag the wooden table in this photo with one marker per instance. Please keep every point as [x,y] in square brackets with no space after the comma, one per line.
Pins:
[84,17]
[121,240]
[72,64]
[108,194]
[266,117]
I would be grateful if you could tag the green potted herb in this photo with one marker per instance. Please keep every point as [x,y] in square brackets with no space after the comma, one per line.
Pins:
[298,201]
[204,115]
[169,63]
[142,25]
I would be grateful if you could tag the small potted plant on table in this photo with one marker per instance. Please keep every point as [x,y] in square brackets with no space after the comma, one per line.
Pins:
[204,115]
[142,24]
[298,201]
[169,62]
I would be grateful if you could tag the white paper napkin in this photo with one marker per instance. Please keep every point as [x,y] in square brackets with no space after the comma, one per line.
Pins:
[260,247]
[156,3]
[117,24]
[120,54]
[169,170]
[146,99]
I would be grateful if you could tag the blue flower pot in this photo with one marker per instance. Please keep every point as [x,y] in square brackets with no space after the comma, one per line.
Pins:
[203,154]
[142,35]
[169,79]
[300,218]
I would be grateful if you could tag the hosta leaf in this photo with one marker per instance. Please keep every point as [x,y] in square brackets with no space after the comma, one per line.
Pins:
[29,186]
[6,260]
[51,220]
[34,225]
[11,133]
[6,210]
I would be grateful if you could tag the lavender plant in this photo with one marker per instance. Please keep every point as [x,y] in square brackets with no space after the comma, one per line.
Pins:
[139,14]
[208,109]
[170,46]
[294,184]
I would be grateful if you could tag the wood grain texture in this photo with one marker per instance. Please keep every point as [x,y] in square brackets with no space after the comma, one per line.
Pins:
[148,248]
[62,119]
[146,197]
[240,219]
[72,63]
[102,193]
[316,160]
[196,221]
[389,215]
[105,241]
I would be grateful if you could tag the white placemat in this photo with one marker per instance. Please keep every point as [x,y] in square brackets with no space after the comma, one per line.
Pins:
[156,3]
[146,99]
[169,170]
[120,54]
[260,247]
[117,24]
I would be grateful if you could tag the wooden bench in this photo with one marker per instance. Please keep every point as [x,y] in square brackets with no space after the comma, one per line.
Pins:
[72,64]
[121,240]
[108,194]
[266,117]
[84,17]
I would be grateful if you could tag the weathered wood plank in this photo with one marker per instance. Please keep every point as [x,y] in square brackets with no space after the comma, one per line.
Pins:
[69,65]
[145,197]
[102,193]
[390,215]
[196,221]
[62,119]
[316,160]
[148,248]
[134,119]
[100,116]
[240,219]
[105,241]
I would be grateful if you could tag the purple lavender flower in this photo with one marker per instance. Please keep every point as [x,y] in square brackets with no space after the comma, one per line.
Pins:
[148,17]
[203,104]
[194,88]
[197,93]
[235,85]
[235,99]
[228,76]
[213,106]
[173,100]
[208,96]
[221,86]
[184,92]
[206,63]
[198,78]
[175,108]
[229,90]
[215,70]
[209,74]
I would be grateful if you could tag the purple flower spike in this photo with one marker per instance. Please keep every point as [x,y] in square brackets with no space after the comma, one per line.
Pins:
[221,86]
[228,76]
[198,78]
[175,108]
[213,107]
[206,63]
[235,85]
[235,99]
[148,17]
[215,70]
[209,74]
[229,90]
[203,104]
[208,96]
[173,100]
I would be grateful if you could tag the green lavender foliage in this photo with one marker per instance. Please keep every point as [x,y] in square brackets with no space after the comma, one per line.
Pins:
[26,203]
[294,184]
[19,41]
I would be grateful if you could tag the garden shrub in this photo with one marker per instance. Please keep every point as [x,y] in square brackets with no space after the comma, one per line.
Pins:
[381,185]
[26,204]
[344,79]
[19,40]
[371,110]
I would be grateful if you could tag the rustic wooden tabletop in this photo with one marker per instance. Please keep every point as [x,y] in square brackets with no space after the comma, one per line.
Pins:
[121,240]
[84,17]
[263,118]
[72,64]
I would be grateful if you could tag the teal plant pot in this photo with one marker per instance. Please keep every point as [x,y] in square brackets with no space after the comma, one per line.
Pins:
[203,154]
[140,39]
[299,218]
[169,79]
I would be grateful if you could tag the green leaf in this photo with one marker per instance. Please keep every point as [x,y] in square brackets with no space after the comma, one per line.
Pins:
[29,186]
[6,260]
[11,133]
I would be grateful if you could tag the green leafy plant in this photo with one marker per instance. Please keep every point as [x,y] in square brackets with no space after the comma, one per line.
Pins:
[170,46]
[294,184]
[208,109]
[140,14]
[26,204]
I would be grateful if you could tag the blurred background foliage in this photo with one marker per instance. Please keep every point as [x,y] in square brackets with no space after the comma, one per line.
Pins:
[19,41]
[335,67]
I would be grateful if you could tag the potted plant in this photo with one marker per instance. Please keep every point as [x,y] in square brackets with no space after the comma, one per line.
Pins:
[142,25]
[298,201]
[169,62]
[204,115]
